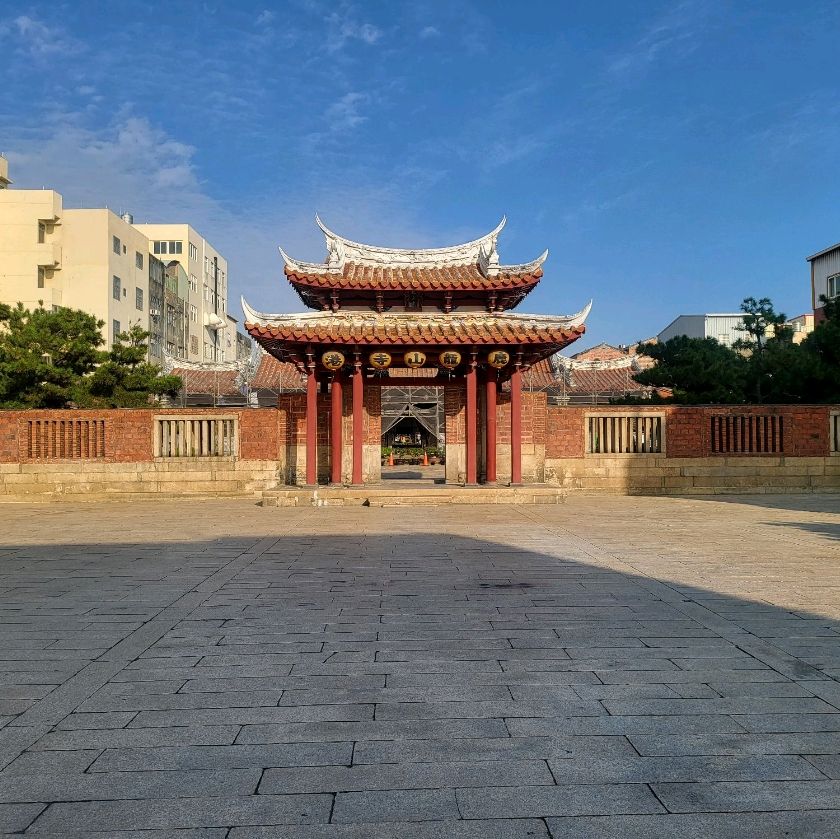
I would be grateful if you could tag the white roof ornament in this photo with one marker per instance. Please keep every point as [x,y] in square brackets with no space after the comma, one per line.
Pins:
[341,250]
[296,266]
[578,318]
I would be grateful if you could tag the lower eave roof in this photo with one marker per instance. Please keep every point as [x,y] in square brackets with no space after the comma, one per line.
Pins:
[417,330]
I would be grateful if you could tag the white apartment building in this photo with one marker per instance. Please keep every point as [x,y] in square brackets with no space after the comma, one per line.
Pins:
[207,272]
[83,259]
[100,262]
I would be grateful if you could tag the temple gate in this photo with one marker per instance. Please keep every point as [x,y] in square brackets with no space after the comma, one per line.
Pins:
[441,316]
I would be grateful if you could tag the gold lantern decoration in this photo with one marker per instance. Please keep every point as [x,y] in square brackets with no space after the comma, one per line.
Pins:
[449,359]
[498,359]
[380,360]
[415,358]
[332,360]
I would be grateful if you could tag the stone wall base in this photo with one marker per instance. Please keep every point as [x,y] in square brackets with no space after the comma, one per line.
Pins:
[660,475]
[87,480]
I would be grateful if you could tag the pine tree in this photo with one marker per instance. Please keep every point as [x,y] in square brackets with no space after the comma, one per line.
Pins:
[125,379]
[44,353]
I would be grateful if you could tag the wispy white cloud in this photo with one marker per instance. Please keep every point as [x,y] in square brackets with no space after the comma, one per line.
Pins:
[264,17]
[342,27]
[675,33]
[38,39]
[345,112]
[429,32]
[133,164]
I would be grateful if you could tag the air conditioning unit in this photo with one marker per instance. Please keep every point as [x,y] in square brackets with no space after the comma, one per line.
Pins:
[155,313]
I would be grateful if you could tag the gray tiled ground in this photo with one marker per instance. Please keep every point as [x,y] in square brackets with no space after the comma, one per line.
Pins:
[629,667]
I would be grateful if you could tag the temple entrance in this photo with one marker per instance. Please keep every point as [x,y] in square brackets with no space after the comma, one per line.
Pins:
[435,327]
[413,433]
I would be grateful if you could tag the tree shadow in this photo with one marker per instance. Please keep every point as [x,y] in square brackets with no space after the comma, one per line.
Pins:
[824,502]
[400,677]
[825,529]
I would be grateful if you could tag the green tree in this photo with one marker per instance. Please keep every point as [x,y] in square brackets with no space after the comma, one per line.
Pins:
[697,370]
[822,346]
[763,327]
[44,353]
[125,379]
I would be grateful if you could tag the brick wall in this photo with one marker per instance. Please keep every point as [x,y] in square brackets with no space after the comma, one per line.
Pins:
[534,418]
[688,428]
[128,433]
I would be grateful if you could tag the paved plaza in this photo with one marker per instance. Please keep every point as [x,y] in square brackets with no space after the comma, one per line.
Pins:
[607,667]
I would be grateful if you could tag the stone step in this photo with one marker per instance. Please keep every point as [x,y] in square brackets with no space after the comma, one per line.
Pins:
[406,497]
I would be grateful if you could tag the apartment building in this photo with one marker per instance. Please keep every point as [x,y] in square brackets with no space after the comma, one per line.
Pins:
[207,278]
[167,278]
[85,259]
[825,278]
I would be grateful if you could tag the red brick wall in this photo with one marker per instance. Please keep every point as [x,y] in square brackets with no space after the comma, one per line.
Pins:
[533,418]
[128,432]
[688,428]
[454,409]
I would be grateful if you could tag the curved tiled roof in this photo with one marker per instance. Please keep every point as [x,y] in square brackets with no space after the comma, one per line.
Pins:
[407,278]
[222,382]
[417,329]
[277,375]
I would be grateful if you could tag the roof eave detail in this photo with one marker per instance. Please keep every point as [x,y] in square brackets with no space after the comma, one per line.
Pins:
[295,266]
[525,267]
[343,250]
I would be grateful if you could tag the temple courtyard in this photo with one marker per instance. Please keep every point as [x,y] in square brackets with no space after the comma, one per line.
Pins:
[605,667]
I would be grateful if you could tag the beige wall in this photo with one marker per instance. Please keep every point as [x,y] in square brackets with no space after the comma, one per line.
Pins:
[77,257]
[90,264]
[196,267]
[20,252]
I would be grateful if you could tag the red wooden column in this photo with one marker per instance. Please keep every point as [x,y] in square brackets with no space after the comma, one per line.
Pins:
[358,419]
[516,426]
[490,390]
[471,424]
[335,429]
[311,427]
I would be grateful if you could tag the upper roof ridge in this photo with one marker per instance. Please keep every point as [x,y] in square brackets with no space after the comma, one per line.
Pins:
[341,249]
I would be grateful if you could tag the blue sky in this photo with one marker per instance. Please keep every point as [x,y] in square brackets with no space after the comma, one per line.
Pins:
[674,157]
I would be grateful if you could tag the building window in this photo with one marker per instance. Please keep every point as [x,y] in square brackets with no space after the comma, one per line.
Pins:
[117,288]
[175,247]
[193,343]
[833,286]
[193,282]
[42,275]
[117,245]
[156,247]
[116,327]
[42,232]
[193,252]
[138,298]
[138,259]
[193,313]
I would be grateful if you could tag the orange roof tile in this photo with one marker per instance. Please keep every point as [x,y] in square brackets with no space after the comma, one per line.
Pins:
[276,375]
[406,278]
[421,331]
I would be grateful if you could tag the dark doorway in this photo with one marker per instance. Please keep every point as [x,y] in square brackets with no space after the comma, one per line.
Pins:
[413,433]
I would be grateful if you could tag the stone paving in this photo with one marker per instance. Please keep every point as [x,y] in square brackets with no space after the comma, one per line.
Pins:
[632,667]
